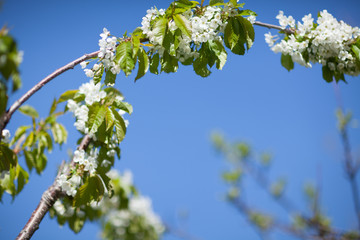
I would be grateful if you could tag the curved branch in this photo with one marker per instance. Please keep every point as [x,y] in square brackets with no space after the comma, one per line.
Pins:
[6,116]
[48,199]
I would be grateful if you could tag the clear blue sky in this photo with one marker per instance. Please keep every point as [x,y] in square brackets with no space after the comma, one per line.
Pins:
[168,144]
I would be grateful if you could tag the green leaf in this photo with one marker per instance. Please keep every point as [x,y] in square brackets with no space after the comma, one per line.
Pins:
[19,132]
[8,158]
[200,67]
[40,161]
[70,94]
[327,74]
[356,50]
[220,52]
[183,24]
[76,223]
[136,44]
[22,178]
[248,30]
[29,111]
[98,74]
[143,63]
[124,57]
[29,159]
[169,63]
[200,64]
[29,141]
[16,82]
[287,62]
[99,117]
[234,37]
[59,133]
[49,143]
[92,189]
[215,2]
[123,106]
[110,78]
[159,29]
[109,119]
[154,64]
[247,12]
[3,98]
[120,127]
[53,107]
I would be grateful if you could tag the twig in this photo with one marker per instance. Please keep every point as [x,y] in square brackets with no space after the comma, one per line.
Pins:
[286,30]
[6,116]
[48,199]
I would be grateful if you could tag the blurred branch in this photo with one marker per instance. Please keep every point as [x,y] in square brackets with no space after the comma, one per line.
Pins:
[351,168]
[263,182]
[48,199]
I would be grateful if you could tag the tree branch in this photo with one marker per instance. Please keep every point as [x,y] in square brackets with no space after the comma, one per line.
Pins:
[6,116]
[286,30]
[48,199]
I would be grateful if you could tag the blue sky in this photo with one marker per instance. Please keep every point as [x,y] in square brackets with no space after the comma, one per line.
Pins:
[168,148]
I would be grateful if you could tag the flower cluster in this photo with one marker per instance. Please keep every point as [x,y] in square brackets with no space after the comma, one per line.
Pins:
[69,185]
[139,210]
[84,163]
[328,42]
[5,136]
[106,55]
[93,93]
[205,25]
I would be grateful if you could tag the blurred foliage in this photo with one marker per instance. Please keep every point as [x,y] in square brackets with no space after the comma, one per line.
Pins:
[246,165]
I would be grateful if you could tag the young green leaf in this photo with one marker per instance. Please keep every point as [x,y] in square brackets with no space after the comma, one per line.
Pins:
[159,29]
[356,50]
[124,57]
[70,94]
[143,63]
[327,74]
[287,62]
[109,119]
[92,189]
[53,107]
[169,63]
[99,117]
[234,36]
[216,2]
[110,78]
[8,158]
[22,178]
[248,30]
[29,111]
[183,24]
[98,74]
[154,64]
[220,53]
[120,127]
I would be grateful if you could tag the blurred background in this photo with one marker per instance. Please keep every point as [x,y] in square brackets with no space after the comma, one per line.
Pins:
[168,146]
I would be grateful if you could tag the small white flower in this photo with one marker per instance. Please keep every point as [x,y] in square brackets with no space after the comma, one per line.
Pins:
[6,135]
[83,64]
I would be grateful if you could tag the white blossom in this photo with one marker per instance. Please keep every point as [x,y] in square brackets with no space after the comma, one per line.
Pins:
[6,135]
[326,42]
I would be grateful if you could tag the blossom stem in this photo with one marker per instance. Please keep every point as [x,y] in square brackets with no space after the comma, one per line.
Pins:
[48,199]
